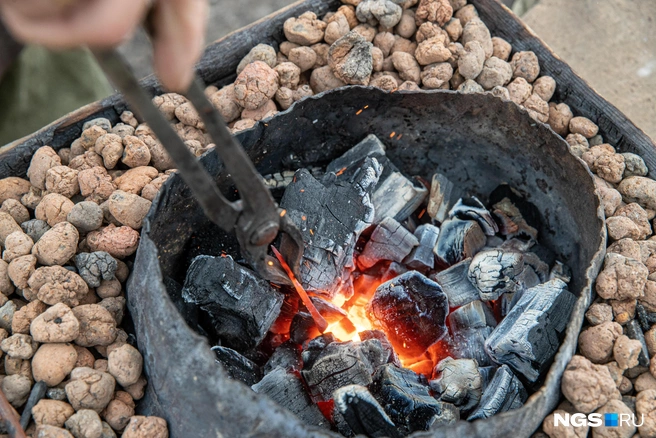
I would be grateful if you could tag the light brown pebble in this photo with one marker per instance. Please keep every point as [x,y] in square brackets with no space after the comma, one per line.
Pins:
[128,209]
[168,102]
[19,346]
[599,313]
[624,430]
[96,184]
[496,72]
[43,159]
[16,389]
[261,52]
[151,189]
[470,63]
[24,316]
[118,414]
[90,135]
[437,75]
[17,244]
[119,242]
[62,180]
[544,86]
[289,74]
[85,423]
[436,11]
[120,129]
[85,357]
[537,108]
[226,102]
[583,126]
[560,431]
[134,180]
[267,110]
[476,30]
[466,13]
[404,45]
[587,386]
[16,210]
[6,286]
[596,343]
[243,125]
[525,65]
[85,216]
[51,412]
[146,427]
[559,117]
[86,161]
[137,390]
[7,226]
[90,389]
[305,30]
[109,288]
[56,284]
[650,340]
[336,28]
[57,245]
[407,25]
[323,79]
[622,278]
[97,326]
[13,188]
[622,227]
[519,90]
[32,198]
[638,215]
[626,352]
[407,67]
[47,431]
[57,324]
[639,189]
[53,208]
[644,382]
[432,50]
[115,306]
[255,85]
[304,58]
[135,152]
[321,52]
[100,365]
[53,362]
[20,270]
[646,407]
[125,364]
[501,48]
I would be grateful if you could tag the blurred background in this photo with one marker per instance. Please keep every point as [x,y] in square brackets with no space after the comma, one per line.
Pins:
[610,43]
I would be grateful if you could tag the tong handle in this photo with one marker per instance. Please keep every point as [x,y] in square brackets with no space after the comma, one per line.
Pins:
[220,211]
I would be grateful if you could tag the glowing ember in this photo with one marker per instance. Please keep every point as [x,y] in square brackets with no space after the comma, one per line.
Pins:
[318,319]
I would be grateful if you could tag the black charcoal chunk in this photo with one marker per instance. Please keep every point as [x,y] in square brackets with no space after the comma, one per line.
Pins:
[384,342]
[496,271]
[56,393]
[330,215]
[643,317]
[241,305]
[389,241]
[473,209]
[303,328]
[357,412]
[422,256]
[405,396]
[35,228]
[95,266]
[340,364]
[459,382]
[529,336]
[634,331]
[286,356]
[238,366]
[515,216]
[439,200]
[456,285]
[411,309]
[328,310]
[38,392]
[287,390]
[315,347]
[470,344]
[472,315]
[346,165]
[398,197]
[458,240]
[487,373]
[504,393]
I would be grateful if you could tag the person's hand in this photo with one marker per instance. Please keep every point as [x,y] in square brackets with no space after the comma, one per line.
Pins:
[178,25]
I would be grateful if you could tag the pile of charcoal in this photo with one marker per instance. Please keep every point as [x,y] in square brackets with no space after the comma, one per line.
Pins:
[426,324]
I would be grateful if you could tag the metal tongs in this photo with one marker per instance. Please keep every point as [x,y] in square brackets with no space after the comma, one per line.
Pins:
[255,218]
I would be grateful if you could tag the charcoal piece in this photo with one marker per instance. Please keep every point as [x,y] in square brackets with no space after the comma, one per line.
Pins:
[398,197]
[329,311]
[487,373]
[389,241]
[95,266]
[511,221]
[470,344]
[540,268]
[458,240]
[459,382]
[529,336]
[643,317]
[472,315]
[405,396]
[303,328]
[237,366]
[38,392]
[504,393]
[422,256]
[340,364]
[286,356]
[473,209]
[507,302]
[357,412]
[495,272]
[385,343]
[456,285]
[440,197]
[241,305]
[330,215]
[634,331]
[346,165]
[315,347]
[411,309]
[560,270]
[526,210]
[286,389]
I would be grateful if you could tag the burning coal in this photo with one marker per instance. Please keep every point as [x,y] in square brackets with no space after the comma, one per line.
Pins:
[414,307]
